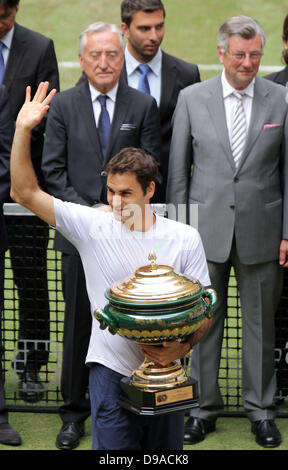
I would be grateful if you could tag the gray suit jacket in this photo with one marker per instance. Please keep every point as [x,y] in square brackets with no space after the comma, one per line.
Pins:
[249,202]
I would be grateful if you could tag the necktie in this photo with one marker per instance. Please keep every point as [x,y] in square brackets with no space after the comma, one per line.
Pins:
[103,123]
[2,65]
[239,129]
[143,84]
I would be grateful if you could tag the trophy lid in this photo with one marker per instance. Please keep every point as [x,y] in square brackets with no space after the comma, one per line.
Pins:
[154,284]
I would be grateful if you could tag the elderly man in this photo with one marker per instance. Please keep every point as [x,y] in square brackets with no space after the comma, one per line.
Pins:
[231,131]
[86,126]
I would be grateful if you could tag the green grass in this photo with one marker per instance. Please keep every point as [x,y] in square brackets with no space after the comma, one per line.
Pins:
[191,26]
[39,431]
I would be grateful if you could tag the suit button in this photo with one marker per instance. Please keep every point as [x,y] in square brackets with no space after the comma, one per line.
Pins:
[236,179]
[232,207]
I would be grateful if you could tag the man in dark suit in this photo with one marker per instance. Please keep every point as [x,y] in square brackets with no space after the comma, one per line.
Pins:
[82,134]
[8,435]
[29,58]
[144,29]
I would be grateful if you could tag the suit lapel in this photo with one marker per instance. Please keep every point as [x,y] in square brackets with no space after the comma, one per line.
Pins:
[121,106]
[258,113]
[281,77]
[168,79]
[217,112]
[15,58]
[85,108]
[123,76]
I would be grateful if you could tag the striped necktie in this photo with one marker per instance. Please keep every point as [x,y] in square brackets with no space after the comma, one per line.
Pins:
[143,84]
[2,64]
[239,129]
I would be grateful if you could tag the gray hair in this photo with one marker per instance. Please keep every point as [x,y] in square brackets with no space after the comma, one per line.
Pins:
[242,26]
[99,27]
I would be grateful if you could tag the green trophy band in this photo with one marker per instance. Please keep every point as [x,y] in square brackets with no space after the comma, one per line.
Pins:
[153,305]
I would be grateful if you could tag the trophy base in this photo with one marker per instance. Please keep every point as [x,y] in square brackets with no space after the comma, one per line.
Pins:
[161,401]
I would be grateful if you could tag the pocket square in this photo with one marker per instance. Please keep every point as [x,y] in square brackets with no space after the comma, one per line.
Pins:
[269,126]
[127,127]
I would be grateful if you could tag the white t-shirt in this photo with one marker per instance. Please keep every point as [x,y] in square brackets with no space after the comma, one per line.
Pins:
[110,252]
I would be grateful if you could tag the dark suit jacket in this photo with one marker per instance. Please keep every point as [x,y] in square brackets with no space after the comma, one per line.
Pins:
[176,74]
[6,137]
[31,60]
[72,157]
[280,77]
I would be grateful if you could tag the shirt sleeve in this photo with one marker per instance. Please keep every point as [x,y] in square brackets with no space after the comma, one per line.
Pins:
[74,221]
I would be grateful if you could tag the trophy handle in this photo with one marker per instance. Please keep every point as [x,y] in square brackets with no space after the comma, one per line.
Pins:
[212,295]
[105,321]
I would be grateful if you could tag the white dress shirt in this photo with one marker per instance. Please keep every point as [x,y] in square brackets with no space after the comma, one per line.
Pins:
[154,76]
[230,102]
[7,41]
[110,104]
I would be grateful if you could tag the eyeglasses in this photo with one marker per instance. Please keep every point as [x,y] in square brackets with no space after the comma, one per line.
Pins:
[240,56]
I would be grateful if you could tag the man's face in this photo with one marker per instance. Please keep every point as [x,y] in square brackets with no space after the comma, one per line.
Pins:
[7,19]
[102,60]
[145,34]
[241,60]
[127,199]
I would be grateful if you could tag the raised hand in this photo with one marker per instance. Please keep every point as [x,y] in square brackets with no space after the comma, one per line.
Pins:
[33,111]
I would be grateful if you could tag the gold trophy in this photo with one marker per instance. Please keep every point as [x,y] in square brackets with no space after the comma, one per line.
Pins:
[153,305]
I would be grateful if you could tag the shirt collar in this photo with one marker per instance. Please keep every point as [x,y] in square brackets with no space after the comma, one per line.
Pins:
[7,39]
[95,93]
[228,89]
[132,63]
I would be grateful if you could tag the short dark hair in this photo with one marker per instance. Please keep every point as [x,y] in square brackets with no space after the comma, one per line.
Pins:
[134,160]
[285,38]
[9,3]
[130,7]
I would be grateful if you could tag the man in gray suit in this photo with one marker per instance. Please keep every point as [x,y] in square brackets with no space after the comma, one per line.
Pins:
[236,147]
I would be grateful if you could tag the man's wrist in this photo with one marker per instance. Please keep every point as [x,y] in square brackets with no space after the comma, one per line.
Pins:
[23,130]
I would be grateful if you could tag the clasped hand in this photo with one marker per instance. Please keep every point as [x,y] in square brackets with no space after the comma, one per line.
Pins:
[169,352]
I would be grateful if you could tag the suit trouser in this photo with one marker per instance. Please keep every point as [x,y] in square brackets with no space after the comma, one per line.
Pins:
[3,410]
[260,288]
[77,329]
[28,240]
